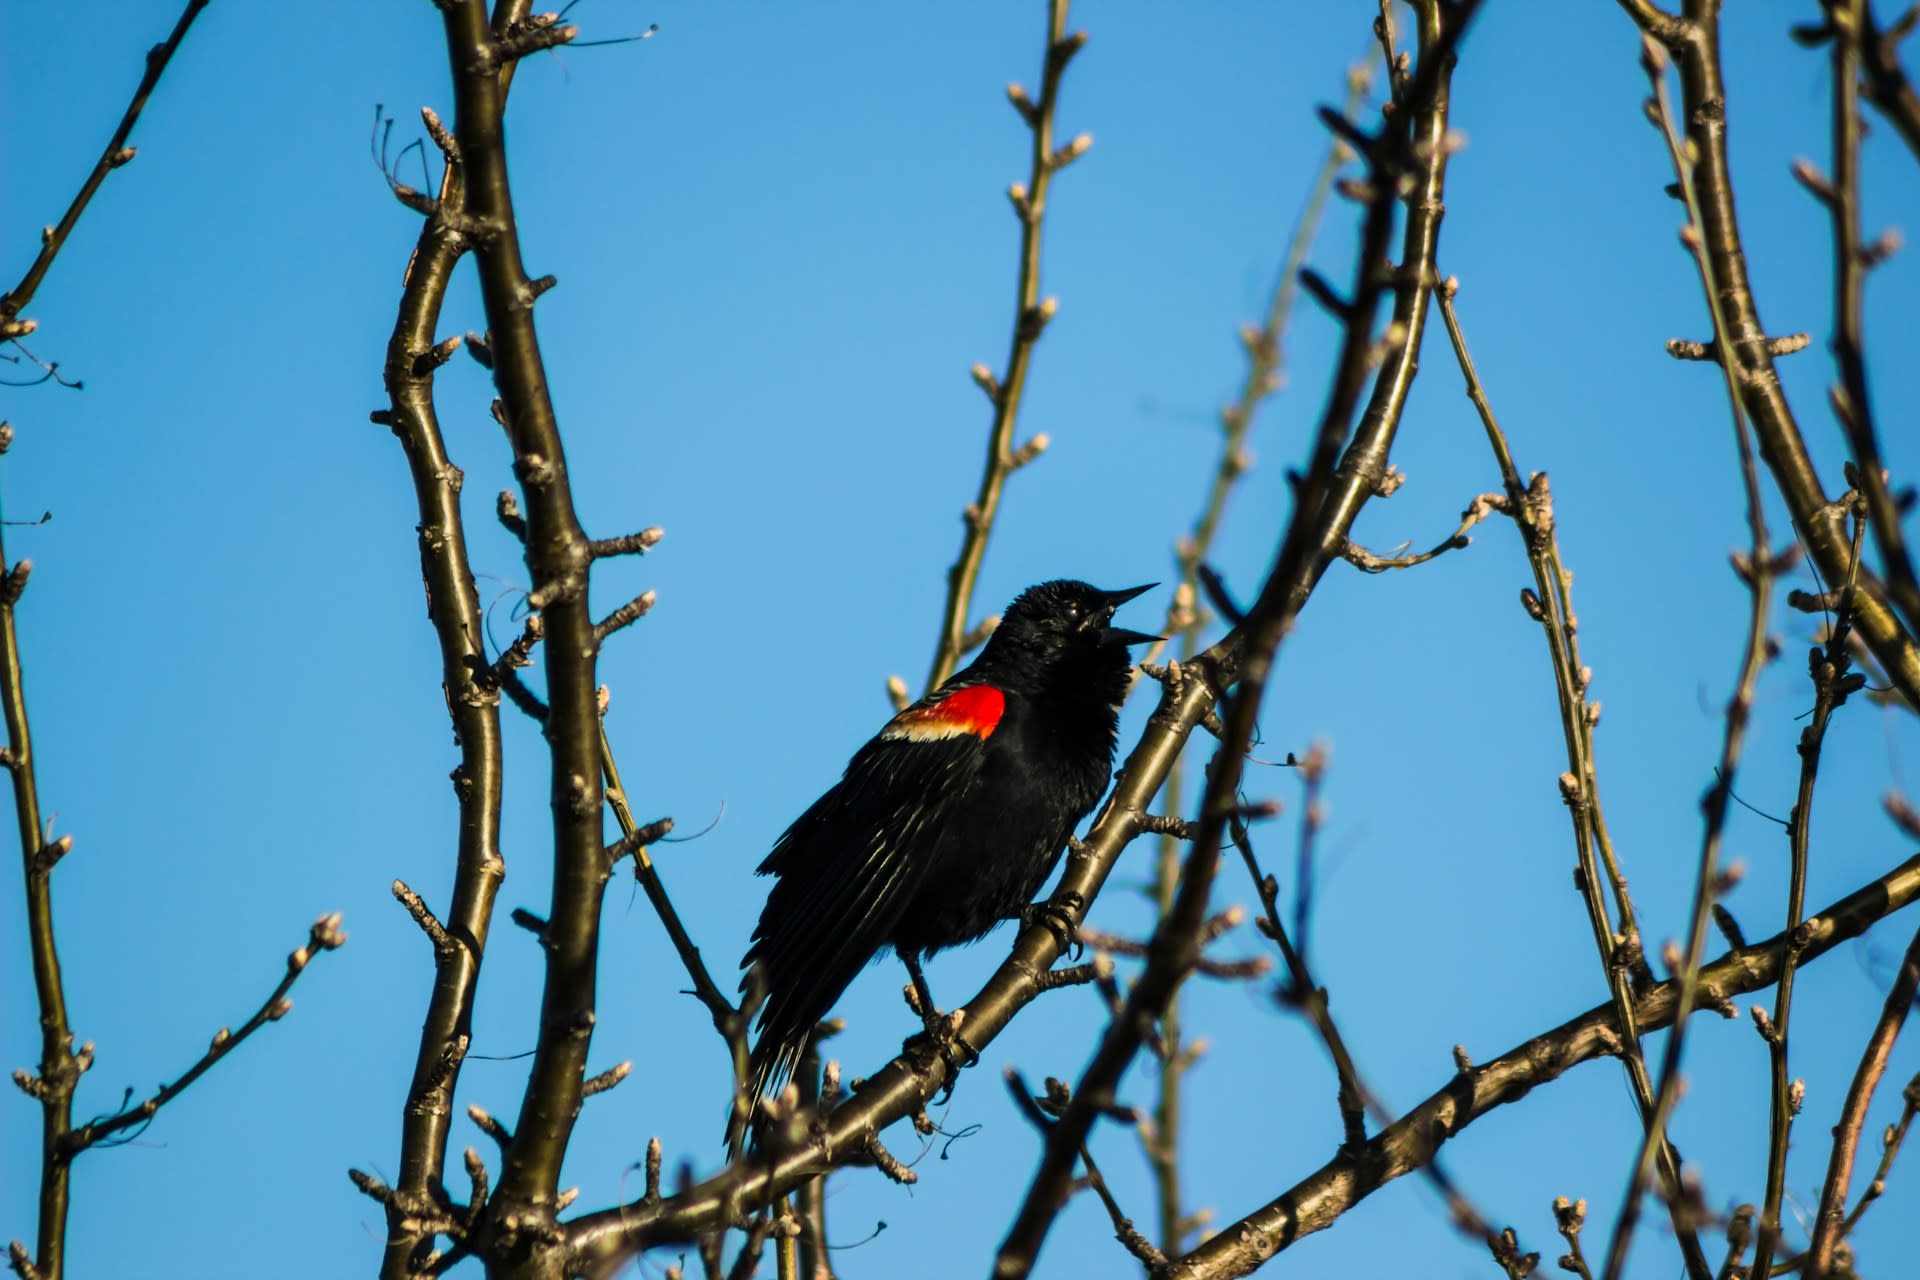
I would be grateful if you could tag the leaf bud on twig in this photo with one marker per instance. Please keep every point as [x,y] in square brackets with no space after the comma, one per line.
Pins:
[1029,451]
[1023,104]
[984,379]
[1066,155]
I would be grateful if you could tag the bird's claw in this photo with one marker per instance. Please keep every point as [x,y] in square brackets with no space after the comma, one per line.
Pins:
[942,1034]
[1058,915]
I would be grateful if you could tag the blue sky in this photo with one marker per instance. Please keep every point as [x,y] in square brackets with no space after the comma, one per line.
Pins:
[781,238]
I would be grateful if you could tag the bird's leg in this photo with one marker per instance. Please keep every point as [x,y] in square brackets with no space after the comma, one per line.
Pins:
[940,1029]
[1058,913]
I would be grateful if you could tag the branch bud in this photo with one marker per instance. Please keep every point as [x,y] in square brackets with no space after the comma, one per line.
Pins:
[1029,451]
[1066,155]
[1813,180]
[1023,104]
[984,379]
[1882,247]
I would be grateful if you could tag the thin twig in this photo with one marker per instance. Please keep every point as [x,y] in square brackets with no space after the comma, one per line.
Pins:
[1694,43]
[1367,562]
[1299,990]
[1758,571]
[1891,1141]
[1883,79]
[60,1065]
[1851,399]
[1828,1223]
[1265,350]
[1411,1142]
[819,1084]
[1205,966]
[1302,992]
[727,1020]
[1570,1218]
[1621,952]
[1831,686]
[325,935]
[54,239]
[1030,317]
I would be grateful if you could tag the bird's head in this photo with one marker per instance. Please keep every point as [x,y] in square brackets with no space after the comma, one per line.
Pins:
[1061,633]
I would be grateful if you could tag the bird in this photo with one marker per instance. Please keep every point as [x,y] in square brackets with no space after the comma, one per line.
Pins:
[948,821]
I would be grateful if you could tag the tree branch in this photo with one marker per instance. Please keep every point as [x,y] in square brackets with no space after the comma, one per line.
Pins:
[1758,571]
[325,935]
[472,688]
[1694,42]
[1831,687]
[1884,80]
[1851,400]
[727,1020]
[1622,954]
[60,1066]
[1265,359]
[479,53]
[1411,1142]
[1853,1115]
[1030,317]
[1412,141]
[54,238]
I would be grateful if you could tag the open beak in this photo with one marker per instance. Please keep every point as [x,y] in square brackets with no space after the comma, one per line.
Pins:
[1121,635]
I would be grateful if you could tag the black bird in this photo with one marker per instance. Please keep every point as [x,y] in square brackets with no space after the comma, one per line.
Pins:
[947,822]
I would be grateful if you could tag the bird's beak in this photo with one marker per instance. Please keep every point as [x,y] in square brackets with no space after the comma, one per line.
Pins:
[1121,635]
[1114,599]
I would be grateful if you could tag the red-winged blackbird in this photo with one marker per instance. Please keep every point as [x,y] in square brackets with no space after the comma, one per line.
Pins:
[946,823]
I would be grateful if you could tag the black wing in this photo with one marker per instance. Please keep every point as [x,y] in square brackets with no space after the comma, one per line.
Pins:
[848,868]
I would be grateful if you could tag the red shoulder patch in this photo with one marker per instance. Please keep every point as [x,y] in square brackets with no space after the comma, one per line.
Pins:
[975,709]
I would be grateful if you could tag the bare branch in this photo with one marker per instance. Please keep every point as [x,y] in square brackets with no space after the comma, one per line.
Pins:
[1412,1141]
[1692,44]
[472,687]
[1481,507]
[324,936]
[1827,1227]
[729,1021]
[1311,536]
[1831,687]
[625,616]
[1757,569]
[1550,603]
[424,917]
[1031,314]
[1882,78]
[632,544]
[113,156]
[1263,376]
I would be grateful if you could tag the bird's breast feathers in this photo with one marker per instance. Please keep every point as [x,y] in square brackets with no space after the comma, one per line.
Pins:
[975,709]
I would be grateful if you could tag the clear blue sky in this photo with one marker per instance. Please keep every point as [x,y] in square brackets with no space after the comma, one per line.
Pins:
[781,237]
